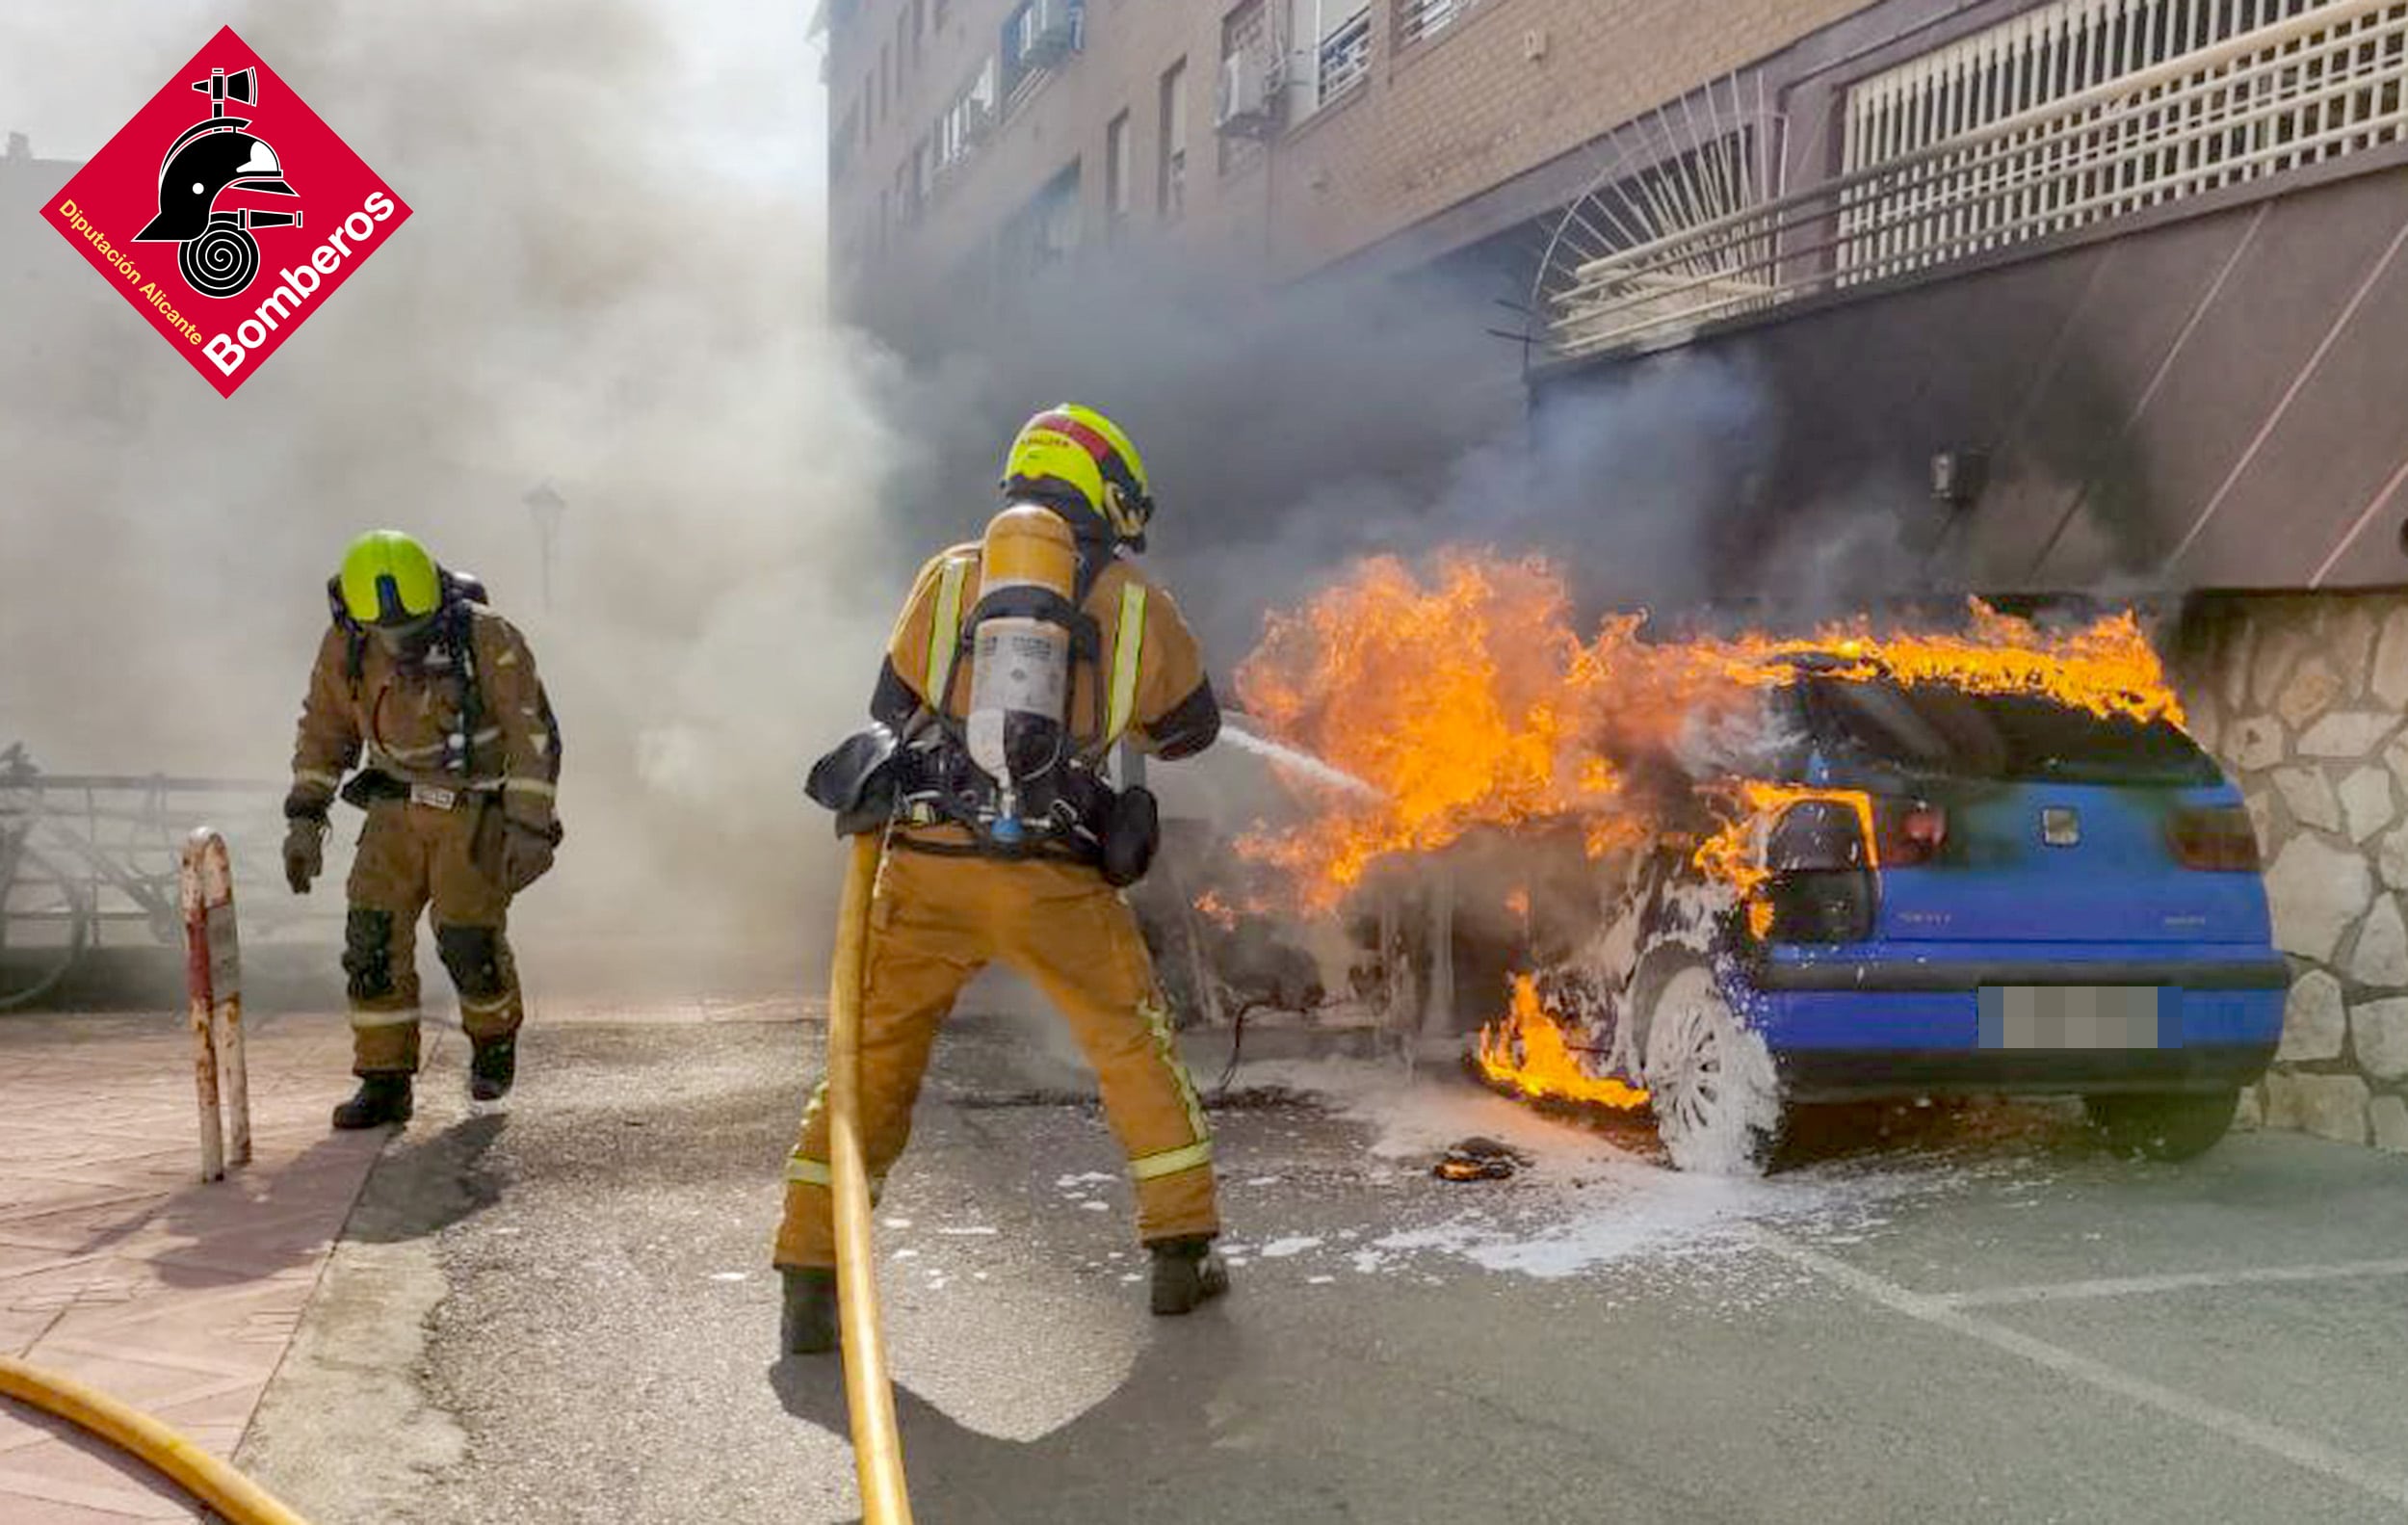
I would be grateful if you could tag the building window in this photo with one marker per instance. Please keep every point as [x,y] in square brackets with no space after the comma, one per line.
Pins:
[1116,196]
[1339,34]
[965,124]
[1247,105]
[1171,193]
[1038,35]
[1045,233]
[912,183]
[842,146]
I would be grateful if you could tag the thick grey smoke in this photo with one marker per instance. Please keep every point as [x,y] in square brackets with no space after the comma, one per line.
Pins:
[1290,432]
[609,285]
[612,285]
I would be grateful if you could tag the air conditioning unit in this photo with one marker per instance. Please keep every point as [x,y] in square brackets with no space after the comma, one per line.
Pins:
[1248,105]
[1049,32]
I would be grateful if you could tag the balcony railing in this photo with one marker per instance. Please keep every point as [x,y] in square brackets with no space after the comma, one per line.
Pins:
[2323,83]
[1345,57]
[1417,20]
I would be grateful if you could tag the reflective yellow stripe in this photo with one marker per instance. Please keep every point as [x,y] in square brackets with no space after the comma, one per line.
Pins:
[1155,1014]
[532,786]
[945,633]
[1170,1161]
[362,1020]
[311,776]
[811,1173]
[816,1173]
[1128,652]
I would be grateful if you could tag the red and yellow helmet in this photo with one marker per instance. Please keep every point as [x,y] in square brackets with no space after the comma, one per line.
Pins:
[1076,452]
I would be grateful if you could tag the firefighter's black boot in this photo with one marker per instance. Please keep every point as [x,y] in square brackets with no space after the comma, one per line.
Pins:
[807,1324]
[380,1099]
[493,1069]
[1187,1273]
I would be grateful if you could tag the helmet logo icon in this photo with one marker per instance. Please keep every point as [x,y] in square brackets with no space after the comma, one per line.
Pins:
[216,253]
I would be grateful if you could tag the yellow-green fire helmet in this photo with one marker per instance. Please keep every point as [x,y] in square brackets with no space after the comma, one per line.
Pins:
[388,579]
[1078,449]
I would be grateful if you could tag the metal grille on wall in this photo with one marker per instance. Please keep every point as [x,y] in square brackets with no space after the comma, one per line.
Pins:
[1344,59]
[2069,115]
[2298,100]
[1417,20]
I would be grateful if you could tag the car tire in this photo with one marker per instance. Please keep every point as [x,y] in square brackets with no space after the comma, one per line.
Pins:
[1711,1081]
[2163,1127]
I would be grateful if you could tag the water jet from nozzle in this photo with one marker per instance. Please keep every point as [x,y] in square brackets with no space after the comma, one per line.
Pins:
[1306,763]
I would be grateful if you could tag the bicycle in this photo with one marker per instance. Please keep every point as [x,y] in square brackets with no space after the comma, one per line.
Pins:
[82,854]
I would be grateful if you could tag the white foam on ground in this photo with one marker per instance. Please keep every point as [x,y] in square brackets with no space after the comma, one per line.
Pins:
[1582,1202]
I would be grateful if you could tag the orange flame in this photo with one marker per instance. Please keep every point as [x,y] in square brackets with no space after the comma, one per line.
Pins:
[1466,700]
[1216,911]
[1735,854]
[1525,1052]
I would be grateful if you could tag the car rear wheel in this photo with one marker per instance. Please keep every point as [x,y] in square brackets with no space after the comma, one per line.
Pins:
[1716,1095]
[2165,1127]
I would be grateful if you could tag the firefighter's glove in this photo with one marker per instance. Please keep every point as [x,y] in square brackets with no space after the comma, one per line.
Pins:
[531,837]
[304,852]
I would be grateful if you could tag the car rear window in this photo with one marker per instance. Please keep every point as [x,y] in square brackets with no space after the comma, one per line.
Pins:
[1934,729]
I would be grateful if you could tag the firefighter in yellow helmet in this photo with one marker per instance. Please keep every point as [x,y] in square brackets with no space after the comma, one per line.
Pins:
[436,698]
[1018,663]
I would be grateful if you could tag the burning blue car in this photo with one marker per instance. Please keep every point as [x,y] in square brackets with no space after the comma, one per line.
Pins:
[1935,890]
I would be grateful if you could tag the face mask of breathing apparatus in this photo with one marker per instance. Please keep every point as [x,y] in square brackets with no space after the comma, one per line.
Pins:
[1020,651]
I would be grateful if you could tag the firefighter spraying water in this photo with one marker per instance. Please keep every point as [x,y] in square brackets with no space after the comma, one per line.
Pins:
[1021,661]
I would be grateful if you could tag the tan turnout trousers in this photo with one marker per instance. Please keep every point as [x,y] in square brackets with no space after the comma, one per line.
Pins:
[936,921]
[415,859]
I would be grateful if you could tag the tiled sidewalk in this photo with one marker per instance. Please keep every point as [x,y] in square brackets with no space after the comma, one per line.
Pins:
[120,1269]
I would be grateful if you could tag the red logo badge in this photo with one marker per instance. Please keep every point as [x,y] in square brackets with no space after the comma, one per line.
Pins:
[228,220]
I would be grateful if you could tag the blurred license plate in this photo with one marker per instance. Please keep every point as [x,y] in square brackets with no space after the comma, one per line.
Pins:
[2075,1016]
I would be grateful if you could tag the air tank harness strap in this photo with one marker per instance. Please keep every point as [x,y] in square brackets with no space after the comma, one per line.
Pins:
[1050,850]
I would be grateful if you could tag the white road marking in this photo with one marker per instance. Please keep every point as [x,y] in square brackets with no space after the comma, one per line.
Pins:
[2179,1282]
[2305,1452]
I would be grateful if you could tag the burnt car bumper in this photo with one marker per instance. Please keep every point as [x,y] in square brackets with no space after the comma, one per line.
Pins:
[1813,1075]
[1843,1028]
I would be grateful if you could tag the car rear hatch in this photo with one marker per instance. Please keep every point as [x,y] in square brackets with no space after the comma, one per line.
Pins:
[2040,823]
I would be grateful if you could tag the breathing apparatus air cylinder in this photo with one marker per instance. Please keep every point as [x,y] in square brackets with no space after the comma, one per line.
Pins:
[1020,651]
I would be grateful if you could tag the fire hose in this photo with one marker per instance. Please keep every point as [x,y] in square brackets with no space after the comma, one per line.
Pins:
[231,1495]
[869,1390]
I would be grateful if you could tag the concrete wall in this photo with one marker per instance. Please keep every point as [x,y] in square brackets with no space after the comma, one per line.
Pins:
[2206,397]
[2303,697]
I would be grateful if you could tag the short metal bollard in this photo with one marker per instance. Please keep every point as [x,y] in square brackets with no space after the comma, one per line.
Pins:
[212,977]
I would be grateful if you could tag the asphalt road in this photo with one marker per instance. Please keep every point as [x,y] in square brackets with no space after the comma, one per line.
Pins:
[564,1313]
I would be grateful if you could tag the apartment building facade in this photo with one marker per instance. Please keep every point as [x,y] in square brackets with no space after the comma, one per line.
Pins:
[974,141]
